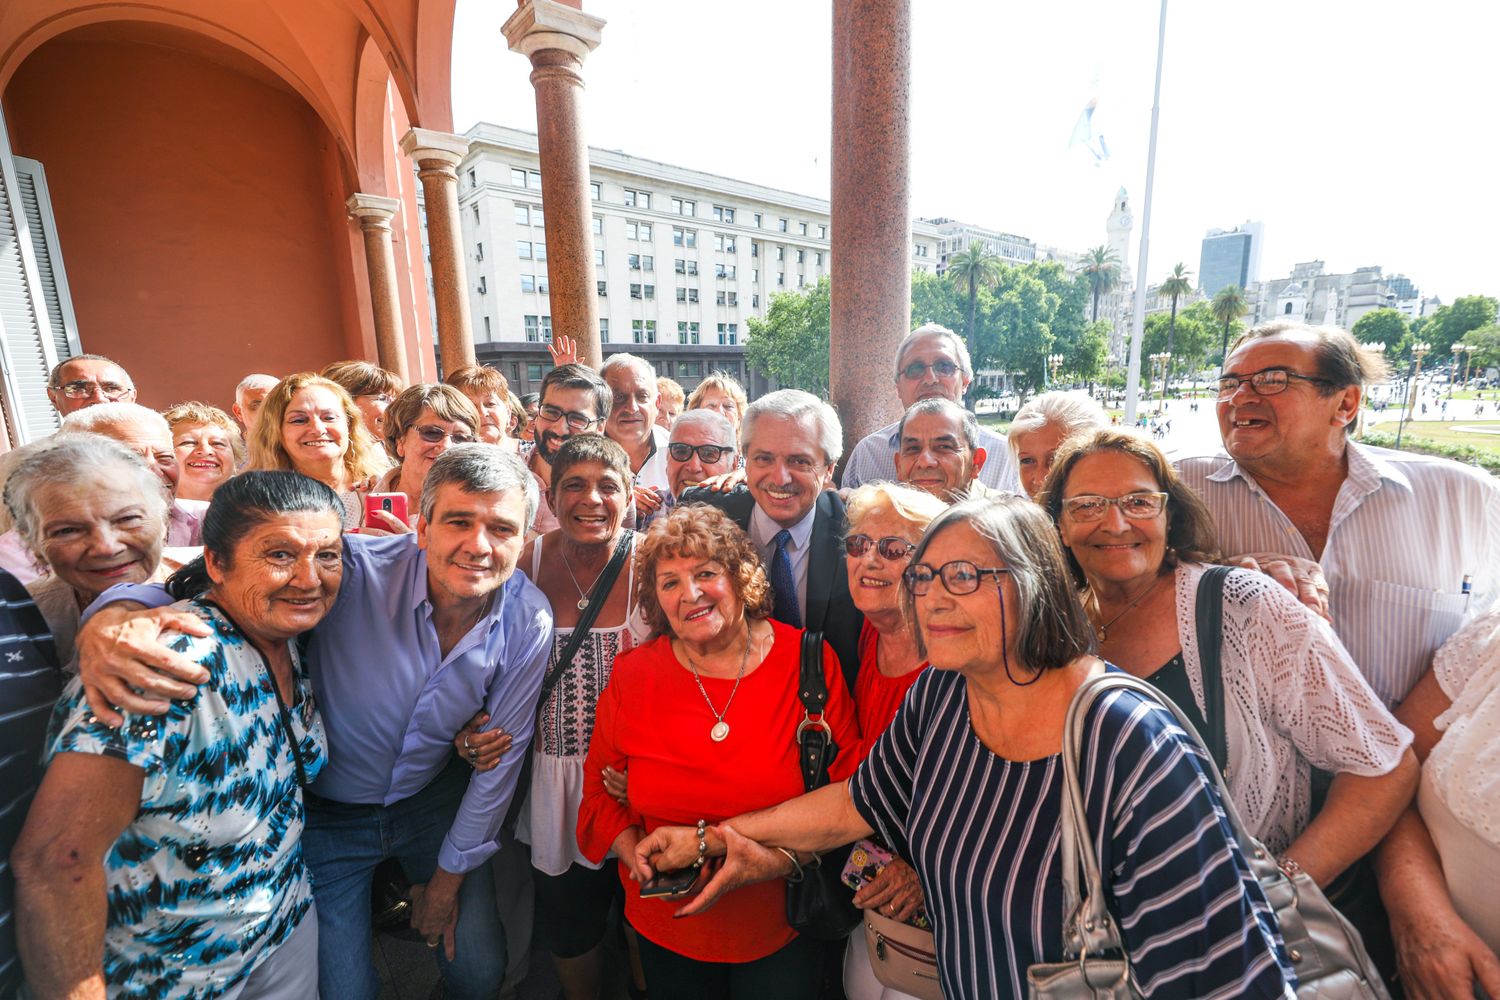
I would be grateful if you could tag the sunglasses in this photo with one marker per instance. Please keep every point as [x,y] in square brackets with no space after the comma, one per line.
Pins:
[708,453]
[434,435]
[942,369]
[889,547]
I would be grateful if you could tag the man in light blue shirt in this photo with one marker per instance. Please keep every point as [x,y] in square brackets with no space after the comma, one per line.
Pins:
[427,631]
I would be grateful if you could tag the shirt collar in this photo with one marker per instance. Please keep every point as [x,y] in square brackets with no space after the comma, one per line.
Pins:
[763,530]
[1366,469]
[421,596]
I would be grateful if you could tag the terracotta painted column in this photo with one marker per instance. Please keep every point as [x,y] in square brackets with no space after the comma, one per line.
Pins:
[374,214]
[557,38]
[437,155]
[871,244]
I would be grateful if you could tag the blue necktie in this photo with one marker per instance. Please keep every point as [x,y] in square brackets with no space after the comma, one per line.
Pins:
[783,584]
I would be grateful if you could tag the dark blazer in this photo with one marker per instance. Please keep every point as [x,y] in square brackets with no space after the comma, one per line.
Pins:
[830,609]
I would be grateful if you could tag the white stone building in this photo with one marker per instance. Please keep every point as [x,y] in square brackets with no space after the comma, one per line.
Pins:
[1312,295]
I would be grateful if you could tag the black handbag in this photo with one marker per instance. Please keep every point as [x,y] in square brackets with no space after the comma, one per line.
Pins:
[820,906]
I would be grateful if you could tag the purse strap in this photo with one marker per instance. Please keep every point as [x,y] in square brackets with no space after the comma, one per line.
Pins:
[815,744]
[1088,928]
[597,594]
[1210,622]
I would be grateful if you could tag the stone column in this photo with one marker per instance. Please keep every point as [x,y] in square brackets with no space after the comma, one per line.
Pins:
[871,244]
[557,38]
[374,214]
[437,155]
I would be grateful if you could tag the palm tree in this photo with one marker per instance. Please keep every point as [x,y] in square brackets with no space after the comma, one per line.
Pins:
[975,266]
[1179,284]
[1102,269]
[1228,306]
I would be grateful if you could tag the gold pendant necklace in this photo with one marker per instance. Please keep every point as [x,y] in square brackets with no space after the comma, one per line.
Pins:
[1103,630]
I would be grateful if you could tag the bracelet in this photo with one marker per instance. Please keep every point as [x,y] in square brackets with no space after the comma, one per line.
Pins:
[796,874]
[702,843]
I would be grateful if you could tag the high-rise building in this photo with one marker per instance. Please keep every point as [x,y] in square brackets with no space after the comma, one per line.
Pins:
[1230,257]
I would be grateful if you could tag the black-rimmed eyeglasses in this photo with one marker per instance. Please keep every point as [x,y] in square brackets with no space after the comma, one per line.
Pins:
[707,453]
[959,577]
[1266,382]
[576,421]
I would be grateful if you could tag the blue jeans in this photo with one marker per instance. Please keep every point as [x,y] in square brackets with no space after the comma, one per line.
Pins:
[343,844]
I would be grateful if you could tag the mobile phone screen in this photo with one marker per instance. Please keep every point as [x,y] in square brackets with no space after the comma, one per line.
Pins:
[670,883]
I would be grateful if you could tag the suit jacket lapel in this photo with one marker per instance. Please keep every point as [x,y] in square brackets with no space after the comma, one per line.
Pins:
[822,563]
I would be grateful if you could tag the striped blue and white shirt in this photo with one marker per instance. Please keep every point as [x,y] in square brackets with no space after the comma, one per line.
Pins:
[874,458]
[208,880]
[983,834]
[1407,531]
[29,684]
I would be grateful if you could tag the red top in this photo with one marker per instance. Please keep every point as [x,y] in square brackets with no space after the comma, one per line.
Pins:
[653,720]
[877,698]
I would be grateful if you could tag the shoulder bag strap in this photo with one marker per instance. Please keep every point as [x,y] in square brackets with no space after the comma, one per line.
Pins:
[597,596]
[1210,625]
[814,736]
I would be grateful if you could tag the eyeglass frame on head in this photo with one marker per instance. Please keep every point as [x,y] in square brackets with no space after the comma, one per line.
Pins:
[863,542]
[82,388]
[917,369]
[910,574]
[1160,498]
[576,421]
[1261,390]
[719,451]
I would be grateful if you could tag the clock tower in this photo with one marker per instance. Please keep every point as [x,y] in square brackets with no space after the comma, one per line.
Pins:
[1121,221]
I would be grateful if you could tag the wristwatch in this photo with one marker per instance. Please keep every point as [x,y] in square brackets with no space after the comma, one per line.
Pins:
[1289,866]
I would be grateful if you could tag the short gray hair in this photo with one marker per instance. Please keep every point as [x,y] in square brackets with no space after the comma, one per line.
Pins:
[98,418]
[1073,411]
[796,404]
[623,360]
[960,349]
[716,423]
[479,468]
[71,460]
[947,408]
[256,381]
[54,378]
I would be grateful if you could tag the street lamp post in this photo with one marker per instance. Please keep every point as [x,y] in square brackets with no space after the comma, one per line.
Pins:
[1453,375]
[1418,352]
[1054,362]
[1468,350]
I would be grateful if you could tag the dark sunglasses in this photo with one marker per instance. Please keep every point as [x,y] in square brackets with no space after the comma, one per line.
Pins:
[942,369]
[708,453]
[889,547]
[433,435]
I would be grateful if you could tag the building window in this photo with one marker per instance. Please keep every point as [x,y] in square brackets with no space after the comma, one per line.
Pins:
[596,190]
[781,253]
[781,225]
[781,279]
[523,215]
[598,258]
[723,214]
[729,333]
[640,231]
[755,276]
[530,324]
[635,291]
[476,214]
[690,369]
[604,328]
[684,237]
[823,233]
[755,249]
[637,199]
[650,291]
[643,331]
[818,258]
[633,261]
[517,177]
[479,251]
[648,262]
[687,295]
[724,271]
[802,229]
[724,242]
[540,249]
[536,215]
[603,288]
[686,266]
[687,333]
[682,206]
[547,329]
[528,282]
[541,285]
[757,220]
[755,301]
[486,328]
[525,179]
[801,257]
[598,226]
[523,249]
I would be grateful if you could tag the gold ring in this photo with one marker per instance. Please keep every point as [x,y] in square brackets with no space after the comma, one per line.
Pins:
[434,944]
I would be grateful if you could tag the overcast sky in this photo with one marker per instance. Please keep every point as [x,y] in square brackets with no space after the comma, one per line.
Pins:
[1357,132]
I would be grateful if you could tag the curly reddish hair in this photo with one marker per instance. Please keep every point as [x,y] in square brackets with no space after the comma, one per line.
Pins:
[701,532]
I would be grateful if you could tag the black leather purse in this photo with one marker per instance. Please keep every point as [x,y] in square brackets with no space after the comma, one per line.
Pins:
[820,906]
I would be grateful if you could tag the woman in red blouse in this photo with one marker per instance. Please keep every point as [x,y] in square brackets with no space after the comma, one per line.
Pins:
[704,718]
[885,523]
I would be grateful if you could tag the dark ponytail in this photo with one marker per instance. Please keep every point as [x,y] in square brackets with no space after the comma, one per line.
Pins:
[241,503]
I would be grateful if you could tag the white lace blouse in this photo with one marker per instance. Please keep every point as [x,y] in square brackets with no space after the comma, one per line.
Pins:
[1294,700]
[1464,766]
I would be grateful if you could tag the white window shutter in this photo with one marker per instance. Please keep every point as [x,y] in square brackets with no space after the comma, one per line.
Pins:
[36,205]
[28,348]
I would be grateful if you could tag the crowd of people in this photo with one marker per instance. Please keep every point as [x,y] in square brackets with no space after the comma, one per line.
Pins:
[544,666]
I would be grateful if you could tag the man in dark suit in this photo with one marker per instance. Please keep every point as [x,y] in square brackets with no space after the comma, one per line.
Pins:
[791,442]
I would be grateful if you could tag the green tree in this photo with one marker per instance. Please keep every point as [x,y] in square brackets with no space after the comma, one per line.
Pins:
[1450,323]
[934,300]
[1487,339]
[1227,306]
[1384,326]
[971,269]
[791,343]
[1086,355]
[1178,284]
[1017,331]
[1193,336]
[1101,269]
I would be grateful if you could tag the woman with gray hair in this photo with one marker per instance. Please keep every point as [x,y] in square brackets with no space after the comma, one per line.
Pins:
[1042,425]
[967,784]
[95,513]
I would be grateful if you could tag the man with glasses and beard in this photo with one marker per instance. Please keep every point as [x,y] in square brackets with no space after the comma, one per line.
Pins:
[574,400]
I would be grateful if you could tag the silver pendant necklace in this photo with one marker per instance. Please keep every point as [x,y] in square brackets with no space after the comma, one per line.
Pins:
[720,731]
[583,600]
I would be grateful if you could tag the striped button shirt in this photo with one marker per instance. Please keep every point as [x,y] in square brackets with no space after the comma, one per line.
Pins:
[29,686]
[1407,531]
[982,833]
[875,458]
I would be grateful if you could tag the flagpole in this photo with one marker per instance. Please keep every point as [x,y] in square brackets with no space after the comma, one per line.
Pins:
[1138,319]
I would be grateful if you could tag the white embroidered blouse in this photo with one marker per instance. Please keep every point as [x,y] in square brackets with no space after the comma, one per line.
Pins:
[1294,700]
[1464,766]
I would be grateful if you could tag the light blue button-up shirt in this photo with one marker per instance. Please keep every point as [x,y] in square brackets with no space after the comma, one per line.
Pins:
[392,702]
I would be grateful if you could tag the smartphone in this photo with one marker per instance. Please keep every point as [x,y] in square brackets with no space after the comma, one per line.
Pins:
[668,884]
[392,503]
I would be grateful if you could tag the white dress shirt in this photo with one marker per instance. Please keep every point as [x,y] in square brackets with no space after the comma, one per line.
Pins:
[874,458]
[763,532]
[1406,534]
